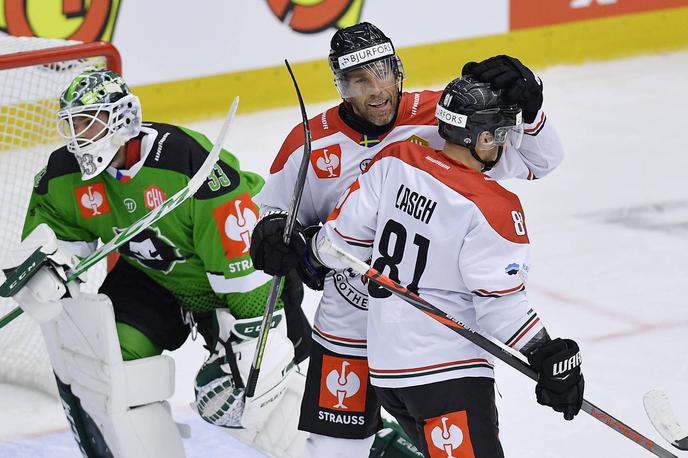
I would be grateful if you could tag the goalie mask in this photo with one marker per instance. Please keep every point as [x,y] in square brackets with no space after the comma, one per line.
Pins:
[98,114]
[363,60]
[467,108]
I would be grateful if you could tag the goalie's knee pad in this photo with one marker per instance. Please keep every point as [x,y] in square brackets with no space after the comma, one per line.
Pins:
[117,405]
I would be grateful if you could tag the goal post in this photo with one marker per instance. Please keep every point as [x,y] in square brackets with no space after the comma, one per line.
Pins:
[33,74]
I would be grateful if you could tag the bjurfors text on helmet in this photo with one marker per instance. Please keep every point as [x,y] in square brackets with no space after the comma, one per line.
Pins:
[365,55]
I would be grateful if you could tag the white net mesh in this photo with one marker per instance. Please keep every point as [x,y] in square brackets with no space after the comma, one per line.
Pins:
[29,97]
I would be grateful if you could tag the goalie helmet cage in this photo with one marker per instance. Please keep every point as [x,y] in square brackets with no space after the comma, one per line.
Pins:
[33,74]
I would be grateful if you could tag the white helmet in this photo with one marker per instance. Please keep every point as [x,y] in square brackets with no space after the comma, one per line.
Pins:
[98,114]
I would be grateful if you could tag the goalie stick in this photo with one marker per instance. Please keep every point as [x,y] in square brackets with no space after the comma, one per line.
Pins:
[252,378]
[658,409]
[20,275]
[326,246]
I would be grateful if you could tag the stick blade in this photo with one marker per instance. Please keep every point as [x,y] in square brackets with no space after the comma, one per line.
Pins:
[661,415]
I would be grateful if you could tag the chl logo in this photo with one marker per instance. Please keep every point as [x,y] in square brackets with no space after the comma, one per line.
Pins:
[151,249]
[327,161]
[92,200]
[447,436]
[154,197]
[343,384]
[235,221]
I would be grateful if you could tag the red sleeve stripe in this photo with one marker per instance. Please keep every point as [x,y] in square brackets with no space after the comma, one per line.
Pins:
[523,330]
[432,366]
[353,241]
[534,130]
[504,292]
[337,339]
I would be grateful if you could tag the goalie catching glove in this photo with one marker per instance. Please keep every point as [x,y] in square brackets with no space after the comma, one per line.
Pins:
[219,383]
[268,420]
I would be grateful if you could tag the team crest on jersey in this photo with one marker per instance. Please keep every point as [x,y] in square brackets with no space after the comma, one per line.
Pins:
[152,250]
[235,221]
[153,197]
[418,140]
[448,436]
[327,162]
[343,384]
[353,288]
[92,200]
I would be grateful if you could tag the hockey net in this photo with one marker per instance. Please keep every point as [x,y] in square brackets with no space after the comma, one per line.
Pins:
[33,74]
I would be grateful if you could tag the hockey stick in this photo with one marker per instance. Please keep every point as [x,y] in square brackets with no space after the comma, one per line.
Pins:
[662,417]
[325,245]
[252,378]
[25,271]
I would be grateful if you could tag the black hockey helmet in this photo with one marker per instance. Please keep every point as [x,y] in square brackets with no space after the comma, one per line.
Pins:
[469,107]
[363,46]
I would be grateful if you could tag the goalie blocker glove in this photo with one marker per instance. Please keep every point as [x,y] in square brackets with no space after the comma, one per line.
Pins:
[272,256]
[560,380]
[520,85]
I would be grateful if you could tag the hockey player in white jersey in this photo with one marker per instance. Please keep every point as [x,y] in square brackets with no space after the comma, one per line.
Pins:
[431,220]
[373,114]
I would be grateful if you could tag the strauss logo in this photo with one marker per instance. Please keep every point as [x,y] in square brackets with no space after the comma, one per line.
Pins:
[238,226]
[311,16]
[328,163]
[447,439]
[92,200]
[342,385]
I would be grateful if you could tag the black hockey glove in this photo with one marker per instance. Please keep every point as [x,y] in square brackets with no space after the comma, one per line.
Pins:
[560,381]
[268,251]
[311,272]
[520,85]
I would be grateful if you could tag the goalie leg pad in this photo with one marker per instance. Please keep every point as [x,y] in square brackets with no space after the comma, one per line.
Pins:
[122,401]
[279,436]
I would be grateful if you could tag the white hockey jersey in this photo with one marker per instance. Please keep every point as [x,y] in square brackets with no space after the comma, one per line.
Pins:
[454,236]
[339,154]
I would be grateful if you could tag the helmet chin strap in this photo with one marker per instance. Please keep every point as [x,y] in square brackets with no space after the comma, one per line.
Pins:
[487,165]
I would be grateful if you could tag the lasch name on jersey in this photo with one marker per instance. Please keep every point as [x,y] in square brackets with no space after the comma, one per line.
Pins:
[415,204]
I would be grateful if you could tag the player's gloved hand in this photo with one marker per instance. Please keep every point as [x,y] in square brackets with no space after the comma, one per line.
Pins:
[560,381]
[40,296]
[268,251]
[311,272]
[521,86]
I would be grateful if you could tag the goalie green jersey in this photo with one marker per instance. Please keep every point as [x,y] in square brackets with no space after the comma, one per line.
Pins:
[199,252]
